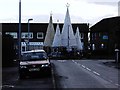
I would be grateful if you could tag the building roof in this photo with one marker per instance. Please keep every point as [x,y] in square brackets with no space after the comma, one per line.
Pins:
[38,27]
[107,24]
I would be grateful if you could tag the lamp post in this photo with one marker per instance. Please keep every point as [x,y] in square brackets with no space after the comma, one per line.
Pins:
[29,30]
[19,32]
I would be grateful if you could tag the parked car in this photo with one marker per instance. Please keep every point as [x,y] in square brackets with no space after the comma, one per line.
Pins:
[35,62]
[55,55]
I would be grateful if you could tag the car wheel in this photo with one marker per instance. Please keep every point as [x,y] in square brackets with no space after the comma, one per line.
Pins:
[49,72]
[21,76]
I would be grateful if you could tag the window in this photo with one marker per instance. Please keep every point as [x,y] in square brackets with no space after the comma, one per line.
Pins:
[23,48]
[102,45]
[34,56]
[14,34]
[95,36]
[99,34]
[25,35]
[105,37]
[92,36]
[93,46]
[40,35]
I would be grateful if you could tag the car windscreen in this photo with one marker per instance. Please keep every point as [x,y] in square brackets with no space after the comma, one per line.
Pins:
[34,56]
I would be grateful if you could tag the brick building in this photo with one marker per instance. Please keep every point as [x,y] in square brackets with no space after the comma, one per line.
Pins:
[104,37]
[38,32]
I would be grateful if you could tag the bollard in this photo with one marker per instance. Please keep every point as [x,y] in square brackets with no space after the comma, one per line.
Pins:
[117,55]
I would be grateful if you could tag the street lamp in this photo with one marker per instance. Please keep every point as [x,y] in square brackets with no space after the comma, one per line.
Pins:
[19,31]
[29,30]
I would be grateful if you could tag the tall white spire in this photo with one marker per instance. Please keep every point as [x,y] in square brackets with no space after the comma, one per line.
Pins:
[78,40]
[67,35]
[49,34]
[57,37]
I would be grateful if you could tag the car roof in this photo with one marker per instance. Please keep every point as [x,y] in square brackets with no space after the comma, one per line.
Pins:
[33,51]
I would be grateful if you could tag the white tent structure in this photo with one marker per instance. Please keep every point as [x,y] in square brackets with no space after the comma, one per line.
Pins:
[57,37]
[49,34]
[78,40]
[67,35]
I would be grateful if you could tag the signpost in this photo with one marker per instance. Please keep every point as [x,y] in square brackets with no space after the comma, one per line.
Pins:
[26,42]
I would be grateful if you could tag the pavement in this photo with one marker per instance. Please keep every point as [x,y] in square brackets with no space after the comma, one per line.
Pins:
[11,81]
[112,64]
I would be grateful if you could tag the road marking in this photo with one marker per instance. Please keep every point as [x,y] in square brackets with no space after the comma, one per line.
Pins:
[110,80]
[88,69]
[53,79]
[73,60]
[114,83]
[83,66]
[9,86]
[96,73]
[117,84]
[61,60]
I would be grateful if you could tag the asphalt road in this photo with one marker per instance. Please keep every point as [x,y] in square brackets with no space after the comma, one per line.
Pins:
[97,67]
[87,74]
[11,81]
[84,74]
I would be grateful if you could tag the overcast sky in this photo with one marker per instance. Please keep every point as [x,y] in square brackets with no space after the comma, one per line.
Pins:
[81,11]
